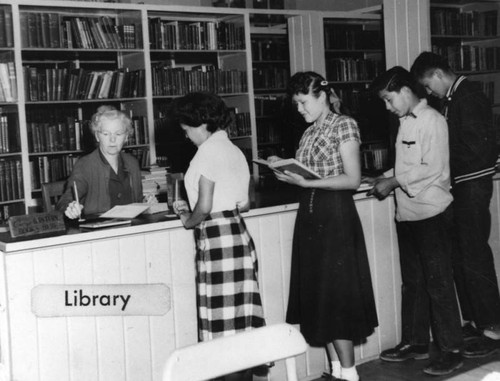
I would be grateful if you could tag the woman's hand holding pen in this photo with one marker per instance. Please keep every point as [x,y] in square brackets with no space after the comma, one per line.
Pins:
[74,210]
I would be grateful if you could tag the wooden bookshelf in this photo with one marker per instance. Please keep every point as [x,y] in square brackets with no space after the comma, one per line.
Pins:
[354,56]
[204,51]
[71,57]
[468,34]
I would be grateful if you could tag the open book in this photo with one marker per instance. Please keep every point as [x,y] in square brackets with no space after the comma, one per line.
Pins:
[291,165]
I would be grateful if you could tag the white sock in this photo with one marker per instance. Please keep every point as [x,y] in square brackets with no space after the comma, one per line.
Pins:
[350,374]
[336,369]
[492,332]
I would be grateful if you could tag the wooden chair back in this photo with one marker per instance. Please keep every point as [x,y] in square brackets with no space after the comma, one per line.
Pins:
[51,193]
[230,354]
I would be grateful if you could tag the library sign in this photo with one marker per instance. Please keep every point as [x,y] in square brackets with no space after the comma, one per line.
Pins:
[56,300]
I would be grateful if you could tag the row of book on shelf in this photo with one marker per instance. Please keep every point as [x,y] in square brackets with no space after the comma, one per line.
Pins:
[266,105]
[54,30]
[270,48]
[240,124]
[68,135]
[269,132]
[54,84]
[353,69]
[169,80]
[8,82]
[452,21]
[11,179]
[45,169]
[195,35]
[374,157]
[11,209]
[352,37]
[6,35]
[9,133]
[270,77]
[470,58]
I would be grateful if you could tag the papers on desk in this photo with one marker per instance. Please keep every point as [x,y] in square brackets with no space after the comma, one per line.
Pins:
[158,207]
[125,211]
[98,223]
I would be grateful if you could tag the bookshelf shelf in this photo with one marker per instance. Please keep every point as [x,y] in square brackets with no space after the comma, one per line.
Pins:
[10,154]
[247,48]
[468,35]
[354,56]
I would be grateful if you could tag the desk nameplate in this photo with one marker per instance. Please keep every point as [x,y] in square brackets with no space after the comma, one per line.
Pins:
[33,224]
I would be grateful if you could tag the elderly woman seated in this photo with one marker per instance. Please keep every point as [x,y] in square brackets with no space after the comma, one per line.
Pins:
[107,176]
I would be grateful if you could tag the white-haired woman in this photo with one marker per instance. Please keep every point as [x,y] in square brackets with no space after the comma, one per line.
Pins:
[107,176]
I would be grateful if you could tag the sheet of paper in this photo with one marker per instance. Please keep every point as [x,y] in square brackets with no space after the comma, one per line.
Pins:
[125,211]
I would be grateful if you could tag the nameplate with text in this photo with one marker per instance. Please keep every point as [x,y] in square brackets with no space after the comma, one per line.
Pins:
[33,224]
[55,300]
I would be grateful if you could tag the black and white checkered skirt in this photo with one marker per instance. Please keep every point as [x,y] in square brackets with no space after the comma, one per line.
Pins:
[227,289]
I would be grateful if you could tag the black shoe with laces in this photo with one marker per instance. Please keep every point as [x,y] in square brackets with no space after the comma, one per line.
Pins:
[403,352]
[481,347]
[445,363]
[470,332]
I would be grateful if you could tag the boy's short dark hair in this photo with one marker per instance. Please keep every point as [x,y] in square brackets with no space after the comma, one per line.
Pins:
[428,61]
[394,79]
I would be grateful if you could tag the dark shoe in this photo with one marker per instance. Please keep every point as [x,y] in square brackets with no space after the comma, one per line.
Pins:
[404,352]
[481,347]
[329,377]
[445,363]
[470,332]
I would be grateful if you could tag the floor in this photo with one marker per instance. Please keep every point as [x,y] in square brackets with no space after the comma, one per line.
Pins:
[411,370]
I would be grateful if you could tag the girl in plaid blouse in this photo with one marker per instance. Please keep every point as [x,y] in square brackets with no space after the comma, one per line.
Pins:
[331,294]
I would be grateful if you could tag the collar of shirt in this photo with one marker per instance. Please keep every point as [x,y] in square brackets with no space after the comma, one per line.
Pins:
[453,87]
[328,121]
[416,110]
[217,135]
[121,163]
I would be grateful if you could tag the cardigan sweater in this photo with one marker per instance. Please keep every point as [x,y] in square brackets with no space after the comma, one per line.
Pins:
[473,149]
[91,174]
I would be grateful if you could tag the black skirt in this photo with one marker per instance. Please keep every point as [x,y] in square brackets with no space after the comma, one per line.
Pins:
[331,294]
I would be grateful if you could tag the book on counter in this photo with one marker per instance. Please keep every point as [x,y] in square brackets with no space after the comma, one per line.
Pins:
[97,223]
[291,165]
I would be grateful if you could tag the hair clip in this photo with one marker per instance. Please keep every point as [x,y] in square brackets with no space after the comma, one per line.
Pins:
[324,83]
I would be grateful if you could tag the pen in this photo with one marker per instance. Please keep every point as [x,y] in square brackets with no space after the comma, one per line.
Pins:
[176,194]
[75,190]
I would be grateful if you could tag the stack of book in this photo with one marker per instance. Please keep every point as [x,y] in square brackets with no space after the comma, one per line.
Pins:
[154,180]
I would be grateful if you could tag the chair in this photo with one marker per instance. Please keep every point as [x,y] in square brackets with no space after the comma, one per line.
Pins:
[51,193]
[226,355]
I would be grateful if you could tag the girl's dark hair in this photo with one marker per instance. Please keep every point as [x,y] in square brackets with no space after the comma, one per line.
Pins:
[195,109]
[394,79]
[304,82]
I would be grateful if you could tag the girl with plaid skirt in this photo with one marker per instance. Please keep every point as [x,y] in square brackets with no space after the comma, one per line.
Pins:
[331,294]
[217,183]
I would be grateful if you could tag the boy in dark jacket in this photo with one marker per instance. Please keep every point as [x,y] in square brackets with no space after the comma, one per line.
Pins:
[473,155]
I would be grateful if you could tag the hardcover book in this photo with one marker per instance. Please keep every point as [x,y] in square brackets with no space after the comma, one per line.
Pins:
[291,165]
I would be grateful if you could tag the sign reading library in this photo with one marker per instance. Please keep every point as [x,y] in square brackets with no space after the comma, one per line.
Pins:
[57,300]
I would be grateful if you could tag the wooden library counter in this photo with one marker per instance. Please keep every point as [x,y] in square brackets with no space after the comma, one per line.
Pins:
[112,304]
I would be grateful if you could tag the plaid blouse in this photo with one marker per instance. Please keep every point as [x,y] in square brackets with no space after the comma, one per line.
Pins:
[320,144]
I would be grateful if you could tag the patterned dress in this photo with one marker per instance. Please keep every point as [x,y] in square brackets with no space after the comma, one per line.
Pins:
[331,294]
